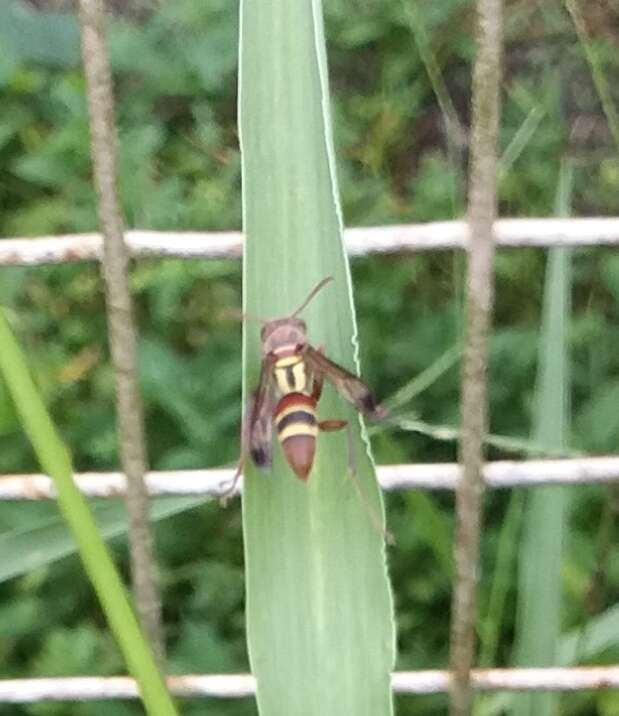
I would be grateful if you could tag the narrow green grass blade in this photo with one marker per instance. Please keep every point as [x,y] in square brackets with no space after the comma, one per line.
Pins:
[507,552]
[428,57]
[410,422]
[46,539]
[56,462]
[520,139]
[601,632]
[539,582]
[425,379]
[598,74]
[576,647]
[319,610]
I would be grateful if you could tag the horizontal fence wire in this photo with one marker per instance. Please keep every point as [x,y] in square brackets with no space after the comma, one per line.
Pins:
[431,476]
[234,686]
[433,236]
[580,232]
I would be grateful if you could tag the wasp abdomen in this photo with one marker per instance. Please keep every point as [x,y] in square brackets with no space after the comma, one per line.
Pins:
[297,427]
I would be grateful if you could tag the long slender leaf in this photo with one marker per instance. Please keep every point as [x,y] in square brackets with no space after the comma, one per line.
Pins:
[539,591]
[598,634]
[410,422]
[425,379]
[320,627]
[47,539]
[520,139]
[56,462]
[598,75]
[507,552]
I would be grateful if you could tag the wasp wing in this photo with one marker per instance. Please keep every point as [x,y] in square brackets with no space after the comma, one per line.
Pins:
[261,418]
[351,387]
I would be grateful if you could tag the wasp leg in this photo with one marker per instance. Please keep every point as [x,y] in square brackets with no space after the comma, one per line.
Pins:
[228,491]
[377,523]
[329,426]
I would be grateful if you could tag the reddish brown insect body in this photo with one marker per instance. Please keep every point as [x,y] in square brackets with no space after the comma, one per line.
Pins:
[297,428]
[289,390]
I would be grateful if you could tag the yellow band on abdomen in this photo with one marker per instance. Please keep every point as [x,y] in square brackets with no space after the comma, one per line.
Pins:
[297,429]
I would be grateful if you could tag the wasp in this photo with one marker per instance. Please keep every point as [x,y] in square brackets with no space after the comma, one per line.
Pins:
[290,386]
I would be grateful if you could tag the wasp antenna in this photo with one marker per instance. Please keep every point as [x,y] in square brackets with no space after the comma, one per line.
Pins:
[233,314]
[312,293]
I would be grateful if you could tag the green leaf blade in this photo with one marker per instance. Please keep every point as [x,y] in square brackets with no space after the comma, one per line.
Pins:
[44,539]
[541,552]
[319,609]
[54,458]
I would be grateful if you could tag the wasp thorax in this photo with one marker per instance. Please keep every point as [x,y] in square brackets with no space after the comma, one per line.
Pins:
[290,373]
[282,334]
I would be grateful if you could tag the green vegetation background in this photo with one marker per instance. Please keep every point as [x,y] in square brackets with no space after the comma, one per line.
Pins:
[175,66]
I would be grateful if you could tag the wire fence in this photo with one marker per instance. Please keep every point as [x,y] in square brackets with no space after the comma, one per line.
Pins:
[237,686]
[213,483]
[446,235]
[361,241]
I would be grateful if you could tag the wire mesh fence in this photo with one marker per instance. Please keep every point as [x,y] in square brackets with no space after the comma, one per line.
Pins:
[446,235]
[212,482]
[501,474]
[362,241]
[237,686]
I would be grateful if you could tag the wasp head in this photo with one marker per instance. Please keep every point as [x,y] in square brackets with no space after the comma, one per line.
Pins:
[283,333]
[288,333]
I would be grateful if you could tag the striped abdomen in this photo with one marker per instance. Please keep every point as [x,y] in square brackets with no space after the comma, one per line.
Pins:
[297,427]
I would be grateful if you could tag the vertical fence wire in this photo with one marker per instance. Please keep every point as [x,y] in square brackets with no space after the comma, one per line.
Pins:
[122,335]
[479,299]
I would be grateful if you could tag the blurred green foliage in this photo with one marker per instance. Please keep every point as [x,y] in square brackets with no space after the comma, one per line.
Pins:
[174,66]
